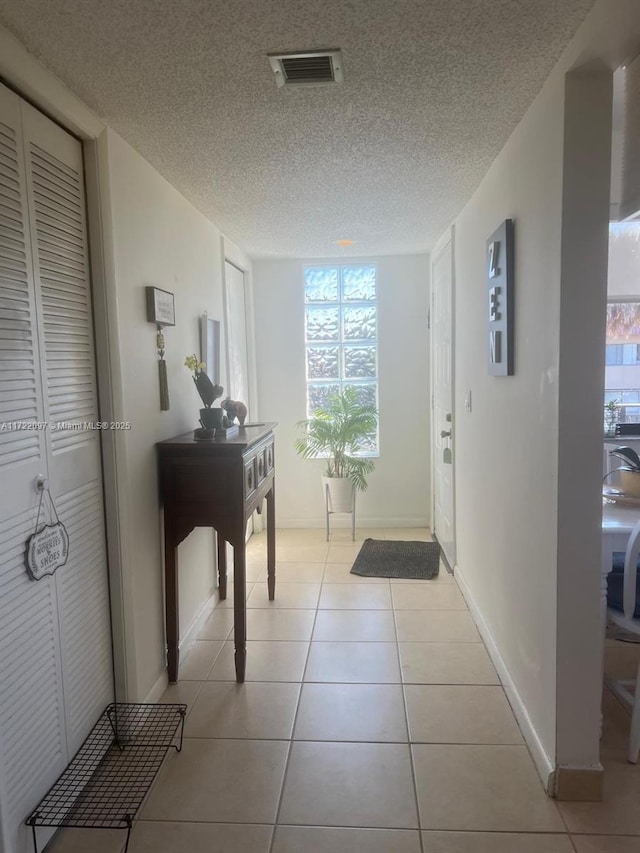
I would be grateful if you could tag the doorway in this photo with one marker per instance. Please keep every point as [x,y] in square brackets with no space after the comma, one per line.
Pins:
[442,423]
[236,334]
[237,351]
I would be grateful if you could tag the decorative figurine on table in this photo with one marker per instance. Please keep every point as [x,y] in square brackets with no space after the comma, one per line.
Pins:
[210,417]
[235,409]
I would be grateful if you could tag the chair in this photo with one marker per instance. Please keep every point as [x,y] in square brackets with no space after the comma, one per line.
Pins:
[623,609]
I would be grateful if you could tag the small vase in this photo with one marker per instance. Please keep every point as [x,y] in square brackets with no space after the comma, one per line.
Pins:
[211,418]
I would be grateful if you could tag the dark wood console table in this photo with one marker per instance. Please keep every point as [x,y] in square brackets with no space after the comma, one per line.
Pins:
[219,484]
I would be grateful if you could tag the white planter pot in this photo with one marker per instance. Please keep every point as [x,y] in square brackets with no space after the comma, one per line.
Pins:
[341,493]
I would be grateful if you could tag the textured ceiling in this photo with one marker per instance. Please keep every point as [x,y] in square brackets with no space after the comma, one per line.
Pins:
[432,90]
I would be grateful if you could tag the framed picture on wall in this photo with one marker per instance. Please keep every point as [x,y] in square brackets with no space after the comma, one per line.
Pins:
[161,308]
[210,347]
[499,304]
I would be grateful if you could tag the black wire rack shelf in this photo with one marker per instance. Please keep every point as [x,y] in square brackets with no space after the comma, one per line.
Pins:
[105,783]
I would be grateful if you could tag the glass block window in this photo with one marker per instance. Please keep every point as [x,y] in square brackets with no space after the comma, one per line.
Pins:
[341,335]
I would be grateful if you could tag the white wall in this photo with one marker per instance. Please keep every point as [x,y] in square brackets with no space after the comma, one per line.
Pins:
[398,493]
[583,298]
[529,455]
[160,239]
[506,448]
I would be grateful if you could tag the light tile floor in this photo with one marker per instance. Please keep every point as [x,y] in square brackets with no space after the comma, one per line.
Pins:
[372,721]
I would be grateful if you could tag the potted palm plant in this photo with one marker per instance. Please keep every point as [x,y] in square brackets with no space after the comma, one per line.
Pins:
[336,433]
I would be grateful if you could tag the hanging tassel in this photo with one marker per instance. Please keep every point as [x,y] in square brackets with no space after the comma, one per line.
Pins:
[164,386]
[162,373]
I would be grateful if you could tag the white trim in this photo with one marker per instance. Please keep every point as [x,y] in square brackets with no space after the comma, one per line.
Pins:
[447,239]
[344,520]
[227,324]
[21,70]
[578,783]
[158,688]
[543,761]
[185,645]
[111,398]
[192,632]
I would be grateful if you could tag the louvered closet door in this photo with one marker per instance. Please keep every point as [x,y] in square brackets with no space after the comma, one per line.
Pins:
[60,257]
[55,649]
[33,747]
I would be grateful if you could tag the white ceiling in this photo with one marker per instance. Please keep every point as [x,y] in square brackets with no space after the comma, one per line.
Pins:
[432,90]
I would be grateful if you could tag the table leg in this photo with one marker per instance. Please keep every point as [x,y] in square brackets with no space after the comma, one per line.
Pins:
[222,567]
[271,543]
[171,605]
[240,610]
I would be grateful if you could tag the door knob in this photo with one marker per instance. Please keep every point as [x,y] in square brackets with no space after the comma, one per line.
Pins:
[445,433]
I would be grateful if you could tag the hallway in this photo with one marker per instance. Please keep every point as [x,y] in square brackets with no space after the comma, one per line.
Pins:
[372,720]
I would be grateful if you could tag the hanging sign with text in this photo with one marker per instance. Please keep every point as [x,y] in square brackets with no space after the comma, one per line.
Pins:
[47,550]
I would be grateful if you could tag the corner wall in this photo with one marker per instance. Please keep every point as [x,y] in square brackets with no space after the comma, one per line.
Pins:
[506,448]
[529,455]
[399,488]
[583,299]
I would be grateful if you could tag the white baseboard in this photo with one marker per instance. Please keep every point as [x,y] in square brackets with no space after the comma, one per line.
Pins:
[185,644]
[158,688]
[361,522]
[544,764]
[191,634]
[579,784]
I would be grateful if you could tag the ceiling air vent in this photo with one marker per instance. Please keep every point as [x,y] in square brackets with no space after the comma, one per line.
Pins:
[309,68]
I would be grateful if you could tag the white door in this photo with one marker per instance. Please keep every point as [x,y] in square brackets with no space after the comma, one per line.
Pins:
[236,335]
[237,351]
[55,639]
[443,451]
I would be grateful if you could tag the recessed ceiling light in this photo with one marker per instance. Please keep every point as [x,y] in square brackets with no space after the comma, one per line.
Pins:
[345,242]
